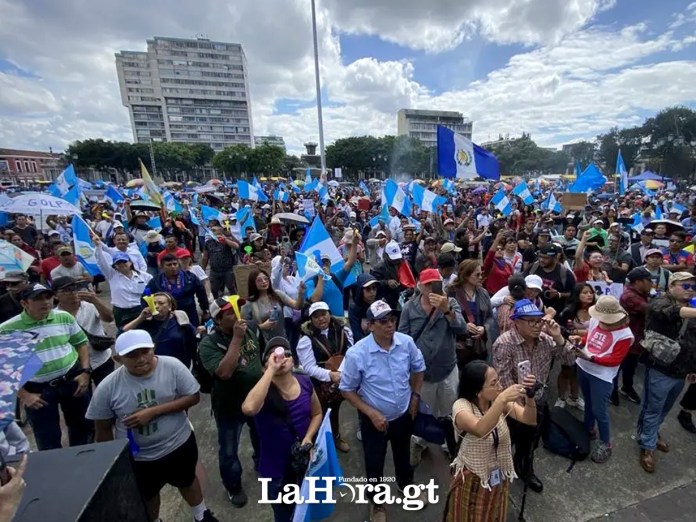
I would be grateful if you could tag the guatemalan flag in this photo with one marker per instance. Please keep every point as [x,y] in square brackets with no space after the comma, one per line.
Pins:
[324,465]
[501,202]
[364,188]
[281,195]
[64,182]
[84,246]
[623,174]
[245,218]
[250,192]
[522,190]
[382,216]
[307,267]
[113,195]
[552,204]
[396,198]
[208,213]
[426,199]
[459,157]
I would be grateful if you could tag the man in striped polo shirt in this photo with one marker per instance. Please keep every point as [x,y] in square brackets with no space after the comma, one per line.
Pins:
[64,378]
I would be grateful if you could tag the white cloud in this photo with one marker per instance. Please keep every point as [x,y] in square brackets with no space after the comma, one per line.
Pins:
[576,79]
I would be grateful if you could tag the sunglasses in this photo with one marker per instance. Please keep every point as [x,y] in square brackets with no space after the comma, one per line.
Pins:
[533,322]
[687,286]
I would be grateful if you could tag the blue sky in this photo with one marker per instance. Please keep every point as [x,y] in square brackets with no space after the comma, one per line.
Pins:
[563,71]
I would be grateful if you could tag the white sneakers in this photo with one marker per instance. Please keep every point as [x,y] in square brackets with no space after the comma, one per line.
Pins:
[578,403]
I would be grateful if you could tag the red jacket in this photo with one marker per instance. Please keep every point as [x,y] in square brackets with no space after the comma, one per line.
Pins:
[496,271]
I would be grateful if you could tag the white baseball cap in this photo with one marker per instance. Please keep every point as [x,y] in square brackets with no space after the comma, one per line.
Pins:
[316,307]
[393,251]
[534,281]
[132,340]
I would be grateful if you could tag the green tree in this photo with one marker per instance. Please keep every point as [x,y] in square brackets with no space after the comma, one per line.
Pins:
[292,162]
[628,140]
[582,151]
[671,137]
[266,159]
[233,160]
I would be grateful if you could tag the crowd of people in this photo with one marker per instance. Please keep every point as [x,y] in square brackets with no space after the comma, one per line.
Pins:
[464,310]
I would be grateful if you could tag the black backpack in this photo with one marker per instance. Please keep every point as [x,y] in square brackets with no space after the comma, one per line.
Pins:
[203,376]
[565,435]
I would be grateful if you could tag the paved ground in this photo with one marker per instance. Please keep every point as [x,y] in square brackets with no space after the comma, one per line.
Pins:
[618,490]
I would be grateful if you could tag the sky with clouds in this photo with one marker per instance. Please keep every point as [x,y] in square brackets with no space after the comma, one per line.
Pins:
[561,70]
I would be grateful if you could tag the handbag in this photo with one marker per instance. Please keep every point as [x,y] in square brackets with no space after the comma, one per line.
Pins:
[663,349]
[467,347]
[100,343]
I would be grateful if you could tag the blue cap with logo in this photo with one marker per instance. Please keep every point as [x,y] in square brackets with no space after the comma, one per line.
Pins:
[119,257]
[525,308]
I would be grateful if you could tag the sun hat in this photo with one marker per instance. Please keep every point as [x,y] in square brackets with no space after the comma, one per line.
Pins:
[449,247]
[133,340]
[534,281]
[678,277]
[152,236]
[608,310]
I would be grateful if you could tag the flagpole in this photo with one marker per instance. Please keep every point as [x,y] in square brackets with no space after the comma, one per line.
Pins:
[318,86]
[152,159]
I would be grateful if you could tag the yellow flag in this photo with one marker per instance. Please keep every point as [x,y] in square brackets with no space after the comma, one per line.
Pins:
[149,186]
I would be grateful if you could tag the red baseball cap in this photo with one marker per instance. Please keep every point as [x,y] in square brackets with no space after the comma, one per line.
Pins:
[182,252]
[429,275]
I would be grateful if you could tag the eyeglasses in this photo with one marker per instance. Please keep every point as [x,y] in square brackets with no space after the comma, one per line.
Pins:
[687,286]
[386,320]
[533,322]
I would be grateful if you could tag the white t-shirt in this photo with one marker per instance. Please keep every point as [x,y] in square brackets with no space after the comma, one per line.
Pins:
[603,343]
[198,272]
[483,220]
[77,271]
[88,318]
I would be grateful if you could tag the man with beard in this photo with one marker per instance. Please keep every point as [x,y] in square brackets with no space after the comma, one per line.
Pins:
[409,246]
[558,281]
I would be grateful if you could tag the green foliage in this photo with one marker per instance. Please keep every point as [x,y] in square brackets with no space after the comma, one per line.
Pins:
[391,154]
[520,156]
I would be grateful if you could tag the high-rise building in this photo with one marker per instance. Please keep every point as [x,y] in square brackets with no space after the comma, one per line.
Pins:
[422,124]
[190,91]
[278,141]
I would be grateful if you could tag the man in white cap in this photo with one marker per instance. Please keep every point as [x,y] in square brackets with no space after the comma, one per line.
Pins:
[387,271]
[382,377]
[145,401]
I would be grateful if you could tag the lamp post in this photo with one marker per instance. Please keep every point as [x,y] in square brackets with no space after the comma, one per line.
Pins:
[318,87]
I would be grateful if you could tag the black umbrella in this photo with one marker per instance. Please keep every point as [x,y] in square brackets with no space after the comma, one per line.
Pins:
[143,204]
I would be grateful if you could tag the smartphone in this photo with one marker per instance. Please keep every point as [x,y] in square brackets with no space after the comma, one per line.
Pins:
[436,287]
[524,369]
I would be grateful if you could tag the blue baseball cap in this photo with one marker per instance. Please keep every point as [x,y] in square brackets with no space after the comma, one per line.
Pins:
[525,308]
[119,257]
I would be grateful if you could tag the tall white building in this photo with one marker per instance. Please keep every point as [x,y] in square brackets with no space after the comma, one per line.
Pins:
[277,141]
[190,91]
[422,124]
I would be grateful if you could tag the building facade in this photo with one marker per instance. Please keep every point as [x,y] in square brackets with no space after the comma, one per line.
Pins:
[188,91]
[22,167]
[422,124]
[277,141]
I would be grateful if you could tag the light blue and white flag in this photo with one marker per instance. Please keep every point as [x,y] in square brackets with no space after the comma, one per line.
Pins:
[84,246]
[295,188]
[552,204]
[155,222]
[676,207]
[637,222]
[255,183]
[312,185]
[501,202]
[281,195]
[448,185]
[171,203]
[307,266]
[383,216]
[658,211]
[522,190]
[308,176]
[209,213]
[72,196]
[250,192]
[113,195]
[396,198]
[323,193]
[459,157]
[364,188]
[426,199]
[245,219]
[325,469]
[623,174]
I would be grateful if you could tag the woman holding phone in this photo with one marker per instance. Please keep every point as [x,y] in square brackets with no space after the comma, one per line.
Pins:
[483,467]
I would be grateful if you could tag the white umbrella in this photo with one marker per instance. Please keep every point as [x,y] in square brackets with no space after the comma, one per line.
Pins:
[37,204]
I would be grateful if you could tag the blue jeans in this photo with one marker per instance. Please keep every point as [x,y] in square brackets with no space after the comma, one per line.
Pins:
[229,428]
[597,394]
[281,512]
[660,392]
[46,420]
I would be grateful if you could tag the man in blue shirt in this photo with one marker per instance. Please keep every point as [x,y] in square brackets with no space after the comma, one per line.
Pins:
[382,376]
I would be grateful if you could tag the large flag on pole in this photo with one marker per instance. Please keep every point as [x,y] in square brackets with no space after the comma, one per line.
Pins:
[623,174]
[459,157]
[149,186]
[84,246]
[326,471]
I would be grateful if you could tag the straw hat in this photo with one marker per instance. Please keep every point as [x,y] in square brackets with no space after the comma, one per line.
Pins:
[608,310]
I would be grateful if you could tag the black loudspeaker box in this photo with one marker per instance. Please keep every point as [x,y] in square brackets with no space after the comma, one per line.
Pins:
[91,483]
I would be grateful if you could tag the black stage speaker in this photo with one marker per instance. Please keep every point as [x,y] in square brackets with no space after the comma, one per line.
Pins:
[92,483]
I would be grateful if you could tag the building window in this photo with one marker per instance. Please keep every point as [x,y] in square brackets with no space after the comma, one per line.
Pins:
[18,164]
[33,166]
[26,166]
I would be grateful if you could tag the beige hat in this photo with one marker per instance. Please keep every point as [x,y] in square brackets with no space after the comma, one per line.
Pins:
[152,236]
[449,247]
[678,277]
[608,310]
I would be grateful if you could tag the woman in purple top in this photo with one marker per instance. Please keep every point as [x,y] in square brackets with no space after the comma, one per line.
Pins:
[287,413]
